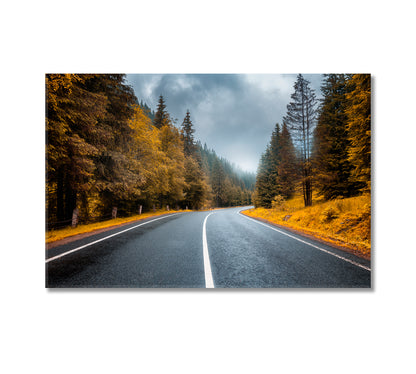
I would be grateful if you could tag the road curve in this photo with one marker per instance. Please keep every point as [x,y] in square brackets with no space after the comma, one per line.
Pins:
[220,249]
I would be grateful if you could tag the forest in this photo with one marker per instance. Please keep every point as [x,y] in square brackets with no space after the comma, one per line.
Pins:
[105,150]
[323,147]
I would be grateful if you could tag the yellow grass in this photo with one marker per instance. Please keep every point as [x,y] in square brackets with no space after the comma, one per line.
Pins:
[346,222]
[54,235]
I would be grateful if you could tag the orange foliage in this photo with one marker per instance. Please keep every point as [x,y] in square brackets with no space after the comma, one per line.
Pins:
[345,222]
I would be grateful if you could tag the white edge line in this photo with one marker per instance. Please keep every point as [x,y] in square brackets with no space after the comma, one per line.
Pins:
[312,245]
[105,238]
[209,282]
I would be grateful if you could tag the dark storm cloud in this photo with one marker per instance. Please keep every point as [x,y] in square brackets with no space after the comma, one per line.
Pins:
[233,114]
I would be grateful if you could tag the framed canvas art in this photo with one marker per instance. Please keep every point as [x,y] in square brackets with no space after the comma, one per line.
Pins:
[208,181]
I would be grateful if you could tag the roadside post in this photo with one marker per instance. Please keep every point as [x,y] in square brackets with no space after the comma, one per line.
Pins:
[75,217]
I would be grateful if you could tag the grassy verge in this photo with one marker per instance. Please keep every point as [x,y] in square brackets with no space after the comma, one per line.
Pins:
[54,235]
[344,222]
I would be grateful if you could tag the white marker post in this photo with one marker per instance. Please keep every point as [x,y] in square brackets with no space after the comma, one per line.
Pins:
[75,217]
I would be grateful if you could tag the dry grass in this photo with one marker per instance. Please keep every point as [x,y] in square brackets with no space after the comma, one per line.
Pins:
[346,222]
[54,235]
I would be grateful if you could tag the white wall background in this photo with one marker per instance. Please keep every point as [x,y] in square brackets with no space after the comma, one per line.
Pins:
[231,331]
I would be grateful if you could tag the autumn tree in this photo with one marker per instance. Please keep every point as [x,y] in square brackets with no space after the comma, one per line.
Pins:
[173,177]
[196,187]
[73,140]
[300,118]
[115,180]
[359,128]
[148,158]
[103,150]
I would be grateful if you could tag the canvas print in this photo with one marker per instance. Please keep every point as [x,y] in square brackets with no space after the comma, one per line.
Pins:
[208,181]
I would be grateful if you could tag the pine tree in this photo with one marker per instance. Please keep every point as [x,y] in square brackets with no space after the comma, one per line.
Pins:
[187,136]
[301,117]
[275,156]
[218,183]
[149,113]
[161,116]
[287,173]
[276,174]
[195,191]
[224,179]
[265,188]
[275,146]
[359,128]
[332,166]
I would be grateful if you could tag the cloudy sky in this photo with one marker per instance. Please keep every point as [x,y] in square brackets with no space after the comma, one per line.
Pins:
[233,114]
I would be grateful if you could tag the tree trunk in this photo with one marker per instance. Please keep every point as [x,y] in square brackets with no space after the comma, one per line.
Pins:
[70,200]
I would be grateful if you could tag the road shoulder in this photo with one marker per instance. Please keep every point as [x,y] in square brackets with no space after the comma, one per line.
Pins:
[309,235]
[76,237]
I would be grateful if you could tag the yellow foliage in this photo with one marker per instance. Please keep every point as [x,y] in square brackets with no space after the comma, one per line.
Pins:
[346,222]
[147,153]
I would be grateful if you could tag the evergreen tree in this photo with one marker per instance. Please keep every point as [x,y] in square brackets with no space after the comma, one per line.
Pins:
[332,166]
[161,116]
[274,159]
[218,183]
[276,174]
[187,136]
[223,177]
[300,118]
[359,128]
[265,188]
[149,113]
[287,167]
[195,191]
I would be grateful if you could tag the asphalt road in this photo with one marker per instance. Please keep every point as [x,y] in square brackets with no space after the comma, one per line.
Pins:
[169,252]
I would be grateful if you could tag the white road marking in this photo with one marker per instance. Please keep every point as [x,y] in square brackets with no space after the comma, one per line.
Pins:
[312,245]
[107,237]
[209,282]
